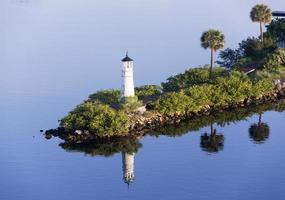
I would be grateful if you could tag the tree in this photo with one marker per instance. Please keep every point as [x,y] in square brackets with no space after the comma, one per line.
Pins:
[229,57]
[214,40]
[276,29]
[261,13]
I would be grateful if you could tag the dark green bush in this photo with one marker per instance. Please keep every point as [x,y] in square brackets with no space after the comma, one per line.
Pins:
[275,60]
[202,95]
[99,119]
[236,87]
[174,103]
[129,104]
[191,77]
[147,90]
[106,96]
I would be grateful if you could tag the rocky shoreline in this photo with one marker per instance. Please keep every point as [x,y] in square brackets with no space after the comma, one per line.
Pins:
[143,124]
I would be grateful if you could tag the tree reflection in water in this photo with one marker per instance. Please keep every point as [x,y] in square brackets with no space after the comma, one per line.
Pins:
[259,132]
[212,142]
[103,148]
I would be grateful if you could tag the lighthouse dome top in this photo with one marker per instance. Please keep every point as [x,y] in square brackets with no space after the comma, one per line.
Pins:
[127,58]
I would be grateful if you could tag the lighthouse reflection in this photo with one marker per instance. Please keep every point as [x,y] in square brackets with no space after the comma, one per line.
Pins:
[128,167]
[128,147]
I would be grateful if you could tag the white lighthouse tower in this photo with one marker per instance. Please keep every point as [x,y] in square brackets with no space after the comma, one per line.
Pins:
[128,167]
[128,89]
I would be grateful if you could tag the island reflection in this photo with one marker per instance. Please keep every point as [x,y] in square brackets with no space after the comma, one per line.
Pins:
[210,142]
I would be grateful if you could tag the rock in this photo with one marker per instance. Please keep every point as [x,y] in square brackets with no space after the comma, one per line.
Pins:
[78,132]
[48,136]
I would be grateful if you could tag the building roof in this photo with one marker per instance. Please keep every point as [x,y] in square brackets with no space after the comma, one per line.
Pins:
[127,58]
[278,14]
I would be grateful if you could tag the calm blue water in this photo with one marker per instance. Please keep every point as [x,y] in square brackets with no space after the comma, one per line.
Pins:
[54,53]
[32,167]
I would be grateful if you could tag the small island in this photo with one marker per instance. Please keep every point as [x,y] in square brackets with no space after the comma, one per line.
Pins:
[250,75]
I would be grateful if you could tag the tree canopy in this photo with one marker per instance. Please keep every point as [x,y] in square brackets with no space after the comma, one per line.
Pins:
[214,40]
[261,13]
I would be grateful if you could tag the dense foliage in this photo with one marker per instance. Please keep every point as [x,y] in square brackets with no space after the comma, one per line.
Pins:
[250,53]
[276,29]
[147,91]
[106,96]
[173,104]
[99,119]
[236,87]
[191,77]
[275,60]
[129,104]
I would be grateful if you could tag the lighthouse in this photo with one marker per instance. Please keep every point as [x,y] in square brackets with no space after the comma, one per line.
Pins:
[128,167]
[127,89]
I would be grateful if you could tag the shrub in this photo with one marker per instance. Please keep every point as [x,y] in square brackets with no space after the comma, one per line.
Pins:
[201,95]
[173,104]
[237,86]
[263,87]
[147,90]
[99,119]
[275,60]
[191,77]
[129,104]
[272,74]
[106,96]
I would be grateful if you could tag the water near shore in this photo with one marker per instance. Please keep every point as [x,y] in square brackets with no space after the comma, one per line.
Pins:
[238,166]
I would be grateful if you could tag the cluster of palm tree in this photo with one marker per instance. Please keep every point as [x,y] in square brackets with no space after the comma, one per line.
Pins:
[215,39]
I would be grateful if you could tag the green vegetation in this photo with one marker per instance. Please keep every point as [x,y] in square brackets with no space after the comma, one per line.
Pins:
[234,87]
[276,29]
[147,91]
[110,97]
[250,53]
[98,118]
[129,104]
[173,104]
[191,77]
[213,40]
[262,14]
[275,60]
[196,90]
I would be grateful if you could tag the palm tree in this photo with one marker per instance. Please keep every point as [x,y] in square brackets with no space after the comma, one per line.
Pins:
[261,13]
[214,40]
[259,132]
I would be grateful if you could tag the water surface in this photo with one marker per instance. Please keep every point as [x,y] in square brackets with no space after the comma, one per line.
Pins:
[54,53]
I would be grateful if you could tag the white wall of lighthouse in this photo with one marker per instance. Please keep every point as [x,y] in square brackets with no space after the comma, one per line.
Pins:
[127,88]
